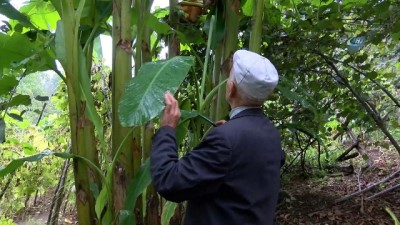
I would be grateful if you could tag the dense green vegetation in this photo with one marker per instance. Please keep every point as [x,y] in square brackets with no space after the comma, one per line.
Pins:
[338,62]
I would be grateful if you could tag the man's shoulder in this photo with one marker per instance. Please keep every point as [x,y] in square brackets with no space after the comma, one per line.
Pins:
[236,125]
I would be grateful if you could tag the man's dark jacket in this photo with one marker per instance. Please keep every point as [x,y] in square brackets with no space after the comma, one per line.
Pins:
[231,178]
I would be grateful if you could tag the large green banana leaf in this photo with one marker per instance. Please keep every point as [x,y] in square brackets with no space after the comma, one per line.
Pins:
[143,99]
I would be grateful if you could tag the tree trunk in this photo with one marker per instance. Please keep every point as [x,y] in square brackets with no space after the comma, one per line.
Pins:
[256,31]
[82,130]
[121,74]
[231,16]
[173,41]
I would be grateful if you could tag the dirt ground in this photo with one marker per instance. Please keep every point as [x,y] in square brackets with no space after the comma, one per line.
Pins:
[312,201]
[37,214]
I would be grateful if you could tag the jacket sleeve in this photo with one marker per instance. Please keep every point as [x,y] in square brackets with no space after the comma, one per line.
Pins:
[198,173]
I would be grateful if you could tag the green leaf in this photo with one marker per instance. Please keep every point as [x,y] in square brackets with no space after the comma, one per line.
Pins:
[143,99]
[108,217]
[371,75]
[20,100]
[16,163]
[78,12]
[97,48]
[40,61]
[294,96]
[182,128]
[57,5]
[15,116]
[42,14]
[9,11]
[152,21]
[18,51]
[101,202]
[219,27]
[156,25]
[42,98]
[395,124]
[14,49]
[185,115]
[64,155]
[126,217]
[135,188]
[28,149]
[361,58]
[247,7]
[168,212]
[95,190]
[60,44]
[7,83]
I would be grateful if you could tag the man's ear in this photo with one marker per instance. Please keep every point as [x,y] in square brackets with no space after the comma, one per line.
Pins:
[231,88]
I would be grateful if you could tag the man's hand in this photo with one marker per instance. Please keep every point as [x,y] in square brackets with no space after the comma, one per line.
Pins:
[171,112]
[220,122]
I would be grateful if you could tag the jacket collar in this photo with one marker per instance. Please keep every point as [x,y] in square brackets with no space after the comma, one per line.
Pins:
[250,112]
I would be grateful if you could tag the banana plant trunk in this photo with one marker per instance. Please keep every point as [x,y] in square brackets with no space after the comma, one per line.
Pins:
[255,36]
[121,74]
[173,41]
[82,130]
[230,44]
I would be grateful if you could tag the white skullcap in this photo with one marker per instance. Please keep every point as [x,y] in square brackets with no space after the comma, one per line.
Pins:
[254,74]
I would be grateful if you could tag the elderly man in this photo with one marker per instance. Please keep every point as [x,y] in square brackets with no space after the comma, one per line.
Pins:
[233,176]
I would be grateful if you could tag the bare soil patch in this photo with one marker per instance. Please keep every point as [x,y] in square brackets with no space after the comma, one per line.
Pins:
[312,201]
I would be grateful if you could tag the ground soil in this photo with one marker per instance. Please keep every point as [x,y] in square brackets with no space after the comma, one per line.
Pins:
[38,213]
[311,201]
[306,201]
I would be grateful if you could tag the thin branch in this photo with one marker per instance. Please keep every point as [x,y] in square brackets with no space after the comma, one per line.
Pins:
[359,189]
[347,197]
[383,192]
[41,113]
[60,75]
[301,151]
[348,150]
